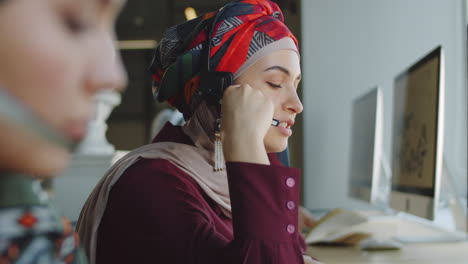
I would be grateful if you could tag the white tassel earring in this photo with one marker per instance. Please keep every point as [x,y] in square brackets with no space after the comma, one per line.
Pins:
[218,148]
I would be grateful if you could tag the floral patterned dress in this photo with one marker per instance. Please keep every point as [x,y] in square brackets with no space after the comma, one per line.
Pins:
[31,230]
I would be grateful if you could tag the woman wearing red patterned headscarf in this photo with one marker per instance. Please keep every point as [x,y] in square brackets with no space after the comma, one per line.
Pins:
[176,200]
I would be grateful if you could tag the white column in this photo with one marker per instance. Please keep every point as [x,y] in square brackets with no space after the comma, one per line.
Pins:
[95,142]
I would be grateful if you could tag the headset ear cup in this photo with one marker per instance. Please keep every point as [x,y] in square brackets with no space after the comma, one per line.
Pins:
[228,80]
[213,84]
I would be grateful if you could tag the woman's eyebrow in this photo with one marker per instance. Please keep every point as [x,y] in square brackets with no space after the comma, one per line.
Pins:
[276,67]
[284,70]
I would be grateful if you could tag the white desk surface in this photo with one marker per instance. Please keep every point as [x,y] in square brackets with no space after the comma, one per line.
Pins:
[424,253]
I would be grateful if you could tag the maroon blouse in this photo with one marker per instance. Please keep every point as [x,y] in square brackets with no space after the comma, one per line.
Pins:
[156,213]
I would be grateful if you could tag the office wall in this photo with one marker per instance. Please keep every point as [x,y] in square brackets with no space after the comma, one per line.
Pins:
[349,47]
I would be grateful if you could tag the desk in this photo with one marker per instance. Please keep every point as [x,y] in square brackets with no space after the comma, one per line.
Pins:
[421,253]
[414,253]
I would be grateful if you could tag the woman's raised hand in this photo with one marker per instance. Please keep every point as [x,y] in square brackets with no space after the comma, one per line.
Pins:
[246,117]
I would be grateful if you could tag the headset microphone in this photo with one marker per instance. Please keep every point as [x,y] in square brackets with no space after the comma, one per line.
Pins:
[275,122]
[13,110]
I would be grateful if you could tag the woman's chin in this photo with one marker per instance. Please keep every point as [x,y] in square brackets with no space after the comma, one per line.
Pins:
[276,147]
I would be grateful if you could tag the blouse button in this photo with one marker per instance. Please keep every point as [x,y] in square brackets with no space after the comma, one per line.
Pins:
[290,205]
[290,182]
[291,229]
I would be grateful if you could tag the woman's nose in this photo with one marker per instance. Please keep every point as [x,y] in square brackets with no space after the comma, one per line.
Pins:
[106,70]
[294,104]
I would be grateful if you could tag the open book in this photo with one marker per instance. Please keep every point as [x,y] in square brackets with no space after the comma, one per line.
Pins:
[339,226]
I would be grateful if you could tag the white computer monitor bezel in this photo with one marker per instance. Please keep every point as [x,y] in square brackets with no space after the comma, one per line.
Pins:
[377,150]
[397,196]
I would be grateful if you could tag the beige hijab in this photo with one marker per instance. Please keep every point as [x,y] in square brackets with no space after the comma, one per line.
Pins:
[197,161]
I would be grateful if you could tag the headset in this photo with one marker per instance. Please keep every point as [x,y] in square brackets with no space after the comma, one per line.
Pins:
[15,111]
[214,83]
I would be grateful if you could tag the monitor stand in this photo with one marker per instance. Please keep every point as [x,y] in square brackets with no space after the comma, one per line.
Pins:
[453,207]
[449,218]
[413,229]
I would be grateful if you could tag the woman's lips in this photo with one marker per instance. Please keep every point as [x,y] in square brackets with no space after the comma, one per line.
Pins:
[76,129]
[285,130]
[285,127]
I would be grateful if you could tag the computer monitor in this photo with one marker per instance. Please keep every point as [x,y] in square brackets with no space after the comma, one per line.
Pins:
[418,120]
[466,80]
[366,146]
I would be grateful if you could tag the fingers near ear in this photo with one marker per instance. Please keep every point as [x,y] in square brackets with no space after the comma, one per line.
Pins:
[229,89]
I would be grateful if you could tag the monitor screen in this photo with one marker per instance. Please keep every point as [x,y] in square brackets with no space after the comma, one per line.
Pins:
[418,136]
[366,145]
